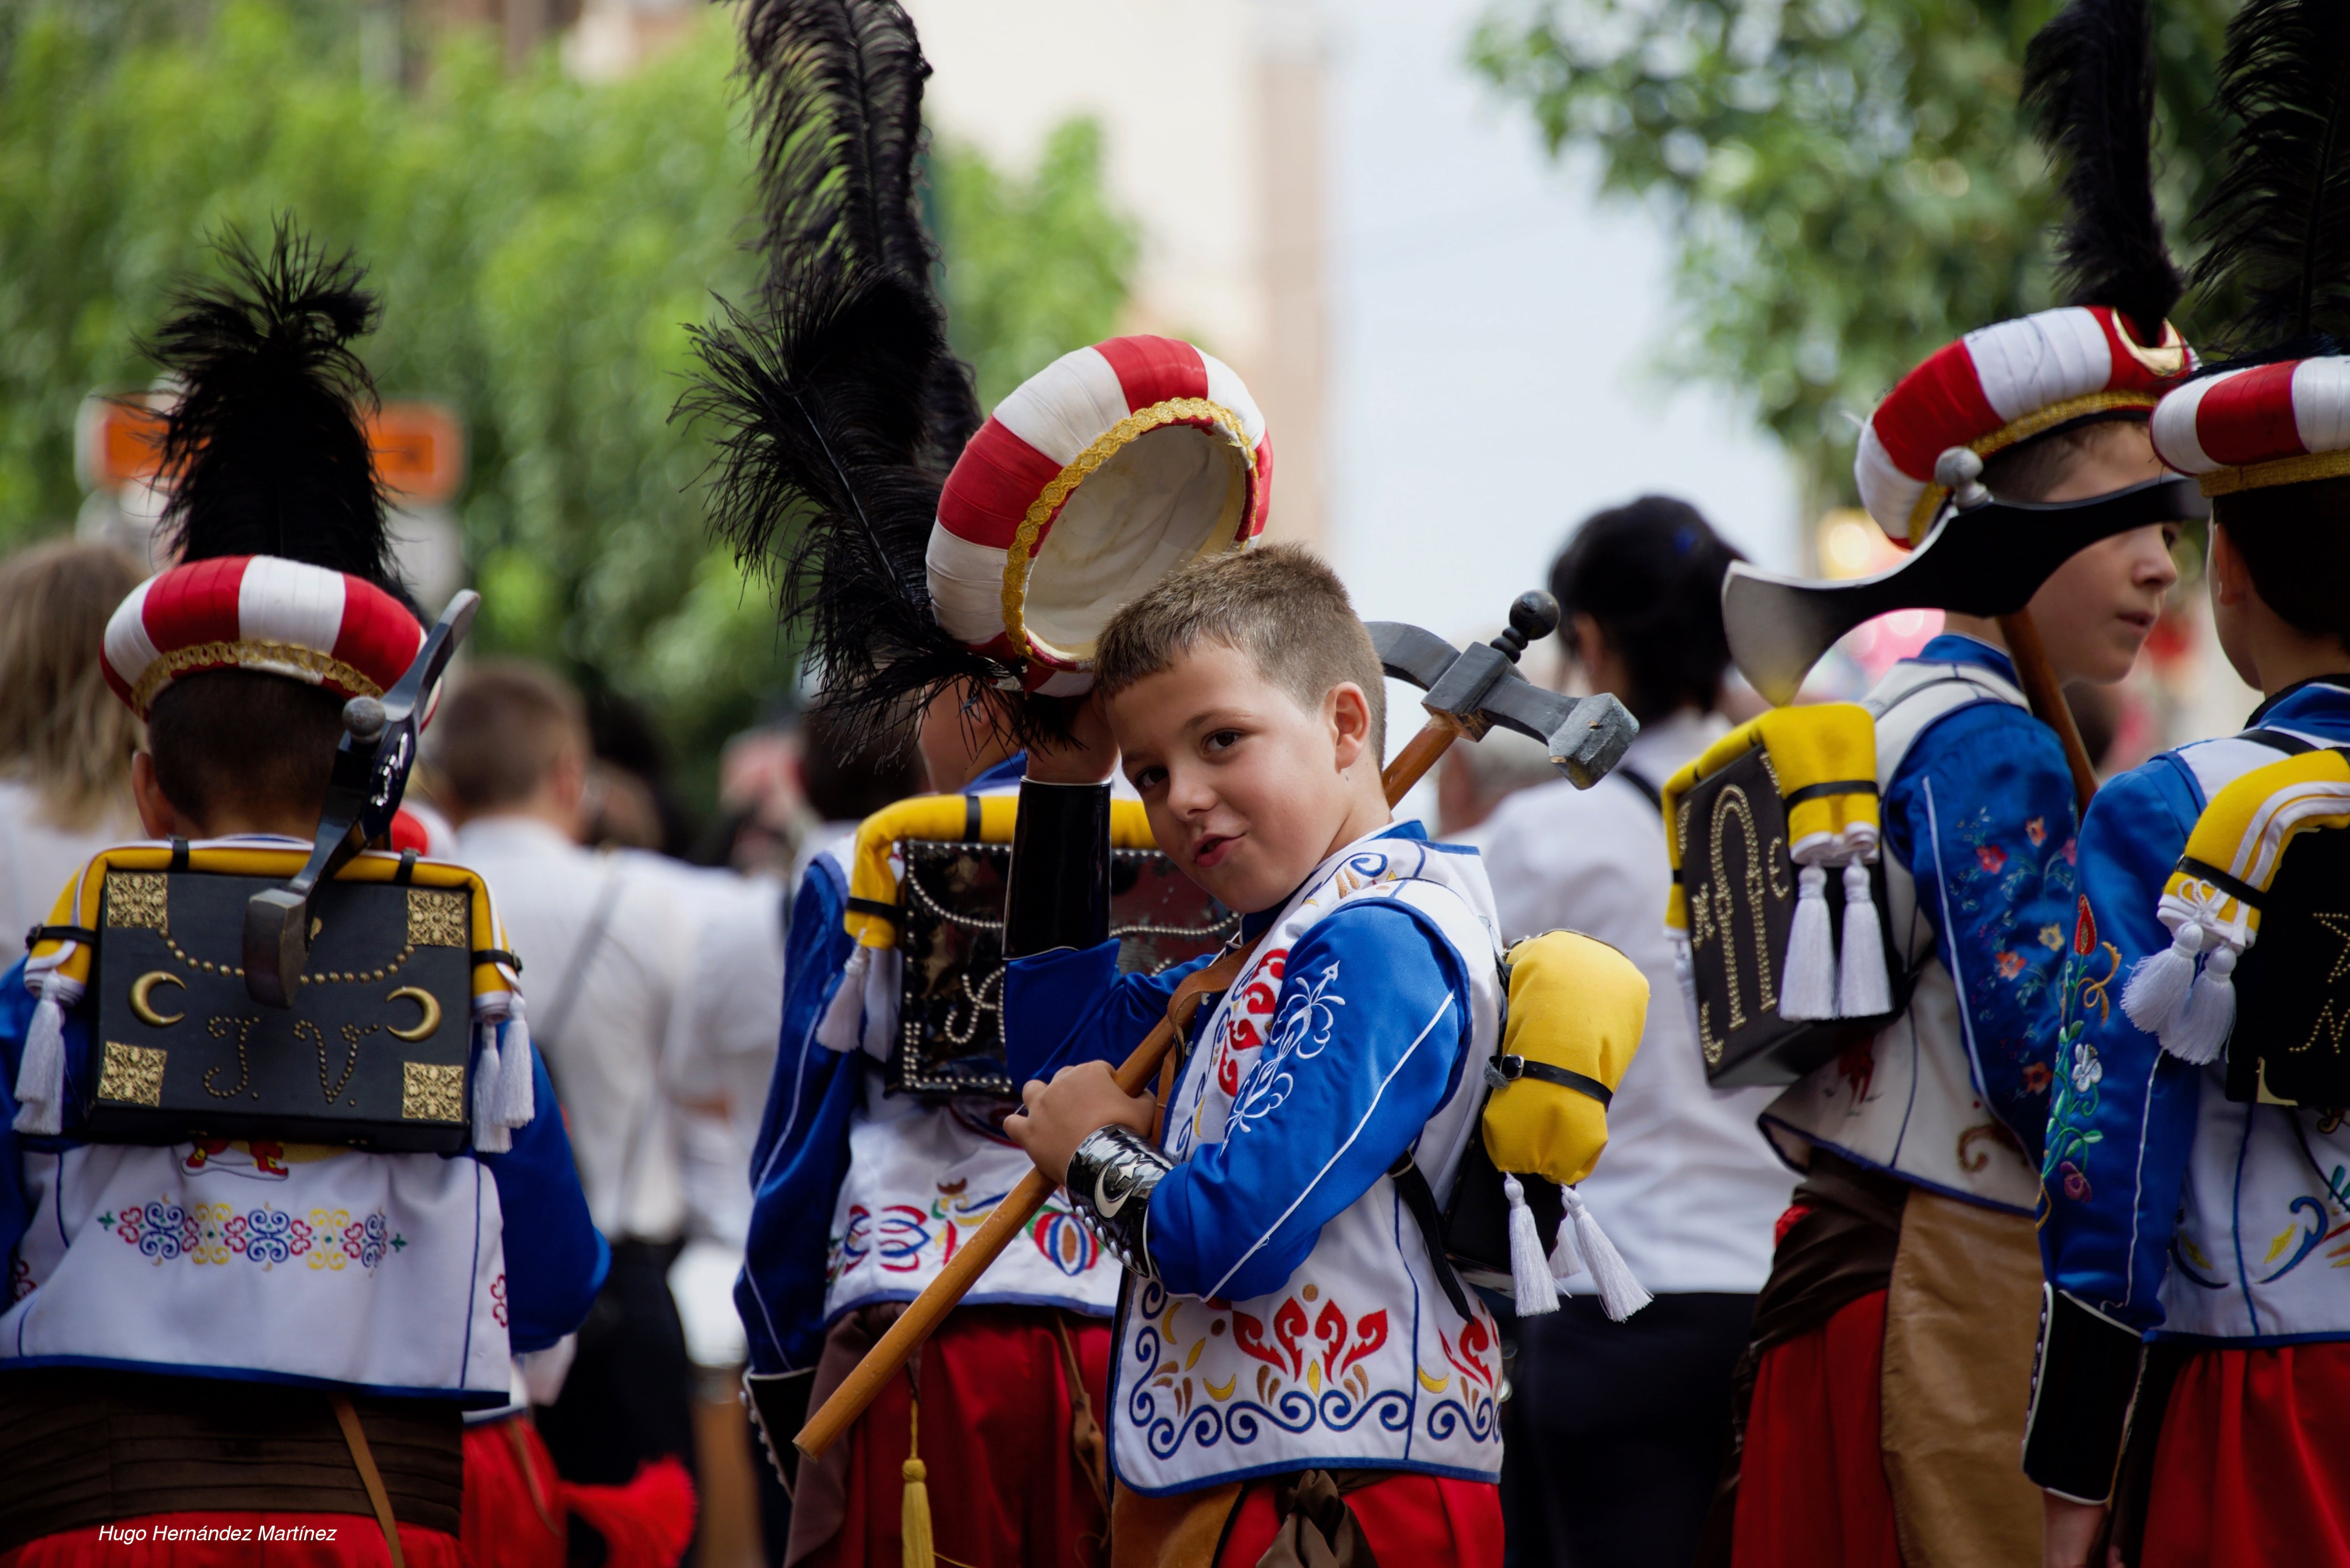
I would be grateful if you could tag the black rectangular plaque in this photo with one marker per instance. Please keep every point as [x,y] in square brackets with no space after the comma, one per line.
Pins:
[374,1053]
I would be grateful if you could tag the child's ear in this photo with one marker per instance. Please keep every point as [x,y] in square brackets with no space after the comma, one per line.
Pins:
[2231,581]
[1350,720]
[156,813]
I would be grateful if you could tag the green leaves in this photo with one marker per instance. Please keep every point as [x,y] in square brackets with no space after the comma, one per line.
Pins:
[540,243]
[1851,184]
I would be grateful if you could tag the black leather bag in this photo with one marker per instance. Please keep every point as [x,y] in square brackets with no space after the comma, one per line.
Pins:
[950,918]
[374,1051]
[1742,888]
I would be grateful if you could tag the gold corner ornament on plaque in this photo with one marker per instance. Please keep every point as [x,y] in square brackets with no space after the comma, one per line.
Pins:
[132,1074]
[433,1091]
[436,919]
[139,901]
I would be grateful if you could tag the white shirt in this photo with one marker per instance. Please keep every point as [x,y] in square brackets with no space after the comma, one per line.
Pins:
[604,1047]
[1688,1189]
[38,858]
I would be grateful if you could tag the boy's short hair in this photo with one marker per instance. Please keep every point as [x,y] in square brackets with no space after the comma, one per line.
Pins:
[1280,605]
[244,740]
[2295,541]
[501,732]
[2028,470]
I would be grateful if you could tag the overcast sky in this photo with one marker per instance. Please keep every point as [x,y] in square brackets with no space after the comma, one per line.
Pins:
[1493,333]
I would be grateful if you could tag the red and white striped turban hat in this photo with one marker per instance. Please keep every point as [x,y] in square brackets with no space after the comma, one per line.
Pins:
[1999,386]
[1131,458]
[2267,425]
[258,612]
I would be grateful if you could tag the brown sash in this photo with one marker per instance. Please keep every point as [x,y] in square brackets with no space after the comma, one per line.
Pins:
[82,1448]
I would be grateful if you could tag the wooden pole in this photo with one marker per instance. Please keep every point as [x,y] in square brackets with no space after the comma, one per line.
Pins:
[2039,681]
[1001,1229]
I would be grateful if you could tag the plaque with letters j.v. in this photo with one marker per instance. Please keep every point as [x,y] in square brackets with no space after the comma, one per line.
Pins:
[373,1052]
[2291,1039]
[1741,888]
[950,938]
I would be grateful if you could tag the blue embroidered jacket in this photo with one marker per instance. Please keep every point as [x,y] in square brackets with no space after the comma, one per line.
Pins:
[1237,1218]
[1998,882]
[2164,1205]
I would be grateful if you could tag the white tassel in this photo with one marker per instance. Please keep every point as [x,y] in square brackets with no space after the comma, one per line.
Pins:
[1530,1285]
[1809,988]
[2157,987]
[844,1015]
[1864,989]
[517,1100]
[41,1077]
[1620,1294]
[2204,1025]
[490,1134]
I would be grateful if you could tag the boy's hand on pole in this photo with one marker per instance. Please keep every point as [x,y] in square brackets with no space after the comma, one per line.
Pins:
[1088,757]
[1063,1114]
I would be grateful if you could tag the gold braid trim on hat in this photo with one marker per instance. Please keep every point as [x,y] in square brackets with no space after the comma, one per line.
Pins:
[2297,470]
[2037,423]
[1021,559]
[275,657]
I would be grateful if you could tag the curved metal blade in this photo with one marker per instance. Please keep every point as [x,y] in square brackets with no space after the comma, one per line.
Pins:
[1986,562]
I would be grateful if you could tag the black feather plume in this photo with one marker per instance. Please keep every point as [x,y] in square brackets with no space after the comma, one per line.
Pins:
[265,453]
[2278,223]
[835,90]
[836,402]
[2088,80]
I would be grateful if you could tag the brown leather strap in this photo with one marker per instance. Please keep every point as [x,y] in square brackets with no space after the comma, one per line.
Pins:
[1181,1008]
[370,1477]
[1085,1434]
[521,1447]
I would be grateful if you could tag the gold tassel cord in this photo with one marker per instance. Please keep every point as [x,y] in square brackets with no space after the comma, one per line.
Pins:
[915,1522]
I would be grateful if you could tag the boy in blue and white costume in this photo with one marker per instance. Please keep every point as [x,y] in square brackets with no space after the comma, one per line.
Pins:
[861,1197]
[1286,1324]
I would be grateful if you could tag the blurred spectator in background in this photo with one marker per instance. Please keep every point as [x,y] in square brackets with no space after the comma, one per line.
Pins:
[1617,1431]
[764,811]
[64,741]
[608,947]
[1475,779]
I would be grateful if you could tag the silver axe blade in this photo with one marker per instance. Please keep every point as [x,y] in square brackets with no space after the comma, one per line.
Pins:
[1991,565]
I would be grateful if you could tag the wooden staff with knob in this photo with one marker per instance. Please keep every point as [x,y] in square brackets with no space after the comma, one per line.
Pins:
[2038,678]
[1467,694]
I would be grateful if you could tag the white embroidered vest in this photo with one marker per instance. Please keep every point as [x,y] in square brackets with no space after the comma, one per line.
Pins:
[2255,1253]
[1359,1360]
[1911,1103]
[922,1177]
[289,1261]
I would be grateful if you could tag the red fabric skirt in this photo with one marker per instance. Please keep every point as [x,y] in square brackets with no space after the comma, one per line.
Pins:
[357,1543]
[1406,1519]
[1812,1491]
[2249,1469]
[1005,1489]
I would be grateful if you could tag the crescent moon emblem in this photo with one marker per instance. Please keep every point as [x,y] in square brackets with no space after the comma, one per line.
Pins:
[426,1025]
[142,1006]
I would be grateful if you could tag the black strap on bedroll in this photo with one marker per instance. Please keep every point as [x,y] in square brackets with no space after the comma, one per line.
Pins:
[1655,797]
[1420,1199]
[40,934]
[1503,1070]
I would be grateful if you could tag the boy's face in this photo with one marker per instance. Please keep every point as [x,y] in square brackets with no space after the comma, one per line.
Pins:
[2094,612]
[1246,790]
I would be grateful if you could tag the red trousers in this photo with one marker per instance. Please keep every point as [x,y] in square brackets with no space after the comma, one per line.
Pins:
[1005,1488]
[1405,1519]
[357,1543]
[2249,1469]
[1812,1491]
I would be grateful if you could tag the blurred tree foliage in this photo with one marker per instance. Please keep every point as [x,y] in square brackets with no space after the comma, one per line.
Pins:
[1849,181]
[539,243]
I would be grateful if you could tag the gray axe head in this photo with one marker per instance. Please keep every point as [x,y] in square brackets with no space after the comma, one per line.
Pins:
[1480,686]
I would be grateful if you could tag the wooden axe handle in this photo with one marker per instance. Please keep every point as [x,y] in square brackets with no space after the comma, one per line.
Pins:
[2038,678]
[1011,1217]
